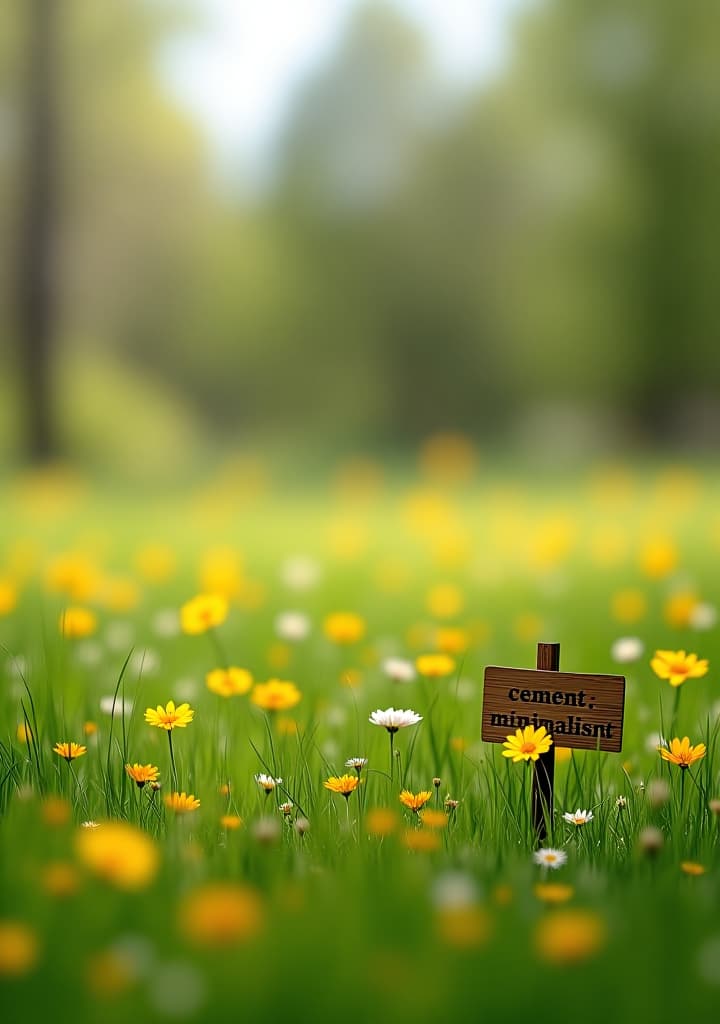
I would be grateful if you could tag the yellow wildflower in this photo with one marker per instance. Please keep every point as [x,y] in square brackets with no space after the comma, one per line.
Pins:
[381,821]
[527,744]
[170,717]
[77,622]
[181,803]
[119,853]
[18,948]
[445,600]
[229,682]
[433,818]
[682,753]
[275,695]
[415,801]
[553,892]
[69,750]
[434,666]
[569,936]
[142,773]
[8,597]
[221,914]
[677,666]
[231,821]
[202,613]
[344,627]
[343,784]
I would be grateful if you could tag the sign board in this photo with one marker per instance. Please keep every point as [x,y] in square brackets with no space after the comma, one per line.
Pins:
[580,710]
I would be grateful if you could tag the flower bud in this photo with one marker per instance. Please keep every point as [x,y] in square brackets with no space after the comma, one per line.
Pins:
[658,793]
[651,841]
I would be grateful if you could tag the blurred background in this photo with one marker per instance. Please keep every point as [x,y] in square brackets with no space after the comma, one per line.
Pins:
[323,227]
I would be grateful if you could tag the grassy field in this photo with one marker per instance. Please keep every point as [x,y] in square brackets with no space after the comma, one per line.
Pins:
[300,903]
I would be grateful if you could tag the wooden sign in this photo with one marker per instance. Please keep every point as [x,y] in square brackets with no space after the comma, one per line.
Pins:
[579,710]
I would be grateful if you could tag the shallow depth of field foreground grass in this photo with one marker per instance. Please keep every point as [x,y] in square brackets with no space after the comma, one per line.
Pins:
[283,897]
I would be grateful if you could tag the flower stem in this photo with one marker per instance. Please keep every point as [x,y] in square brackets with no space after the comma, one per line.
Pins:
[172,761]
[219,649]
[392,755]
[676,705]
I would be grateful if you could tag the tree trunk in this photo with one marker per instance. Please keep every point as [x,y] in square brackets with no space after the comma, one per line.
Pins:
[36,291]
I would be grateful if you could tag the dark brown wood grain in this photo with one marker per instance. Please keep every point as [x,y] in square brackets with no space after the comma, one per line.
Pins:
[581,710]
[543,787]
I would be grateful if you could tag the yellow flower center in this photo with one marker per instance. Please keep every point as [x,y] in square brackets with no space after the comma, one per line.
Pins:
[527,748]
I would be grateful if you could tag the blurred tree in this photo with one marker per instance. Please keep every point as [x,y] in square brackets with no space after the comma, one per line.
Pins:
[36,269]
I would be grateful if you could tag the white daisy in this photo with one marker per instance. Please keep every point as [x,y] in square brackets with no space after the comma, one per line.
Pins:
[578,817]
[400,670]
[90,824]
[549,858]
[300,572]
[703,616]
[627,649]
[116,706]
[358,763]
[166,622]
[393,720]
[267,782]
[292,626]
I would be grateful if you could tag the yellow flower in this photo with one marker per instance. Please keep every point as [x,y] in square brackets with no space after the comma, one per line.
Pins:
[203,613]
[679,607]
[569,936]
[690,867]
[23,733]
[682,753]
[553,892]
[381,821]
[344,784]
[415,801]
[221,914]
[69,750]
[463,927]
[452,640]
[445,601]
[434,819]
[110,973]
[677,666]
[275,695]
[155,562]
[221,572]
[60,879]
[142,773]
[231,821]
[181,803]
[55,811]
[344,627]
[77,622]
[90,728]
[119,853]
[421,839]
[229,682]
[18,948]
[629,606]
[434,666]
[170,717]
[658,558]
[8,597]
[527,744]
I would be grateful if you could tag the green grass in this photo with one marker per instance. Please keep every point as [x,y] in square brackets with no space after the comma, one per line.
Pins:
[352,924]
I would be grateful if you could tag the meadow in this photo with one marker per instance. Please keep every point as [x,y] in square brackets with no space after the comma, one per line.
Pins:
[236,865]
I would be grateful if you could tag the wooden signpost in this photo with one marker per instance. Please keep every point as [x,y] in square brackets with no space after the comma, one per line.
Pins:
[579,710]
